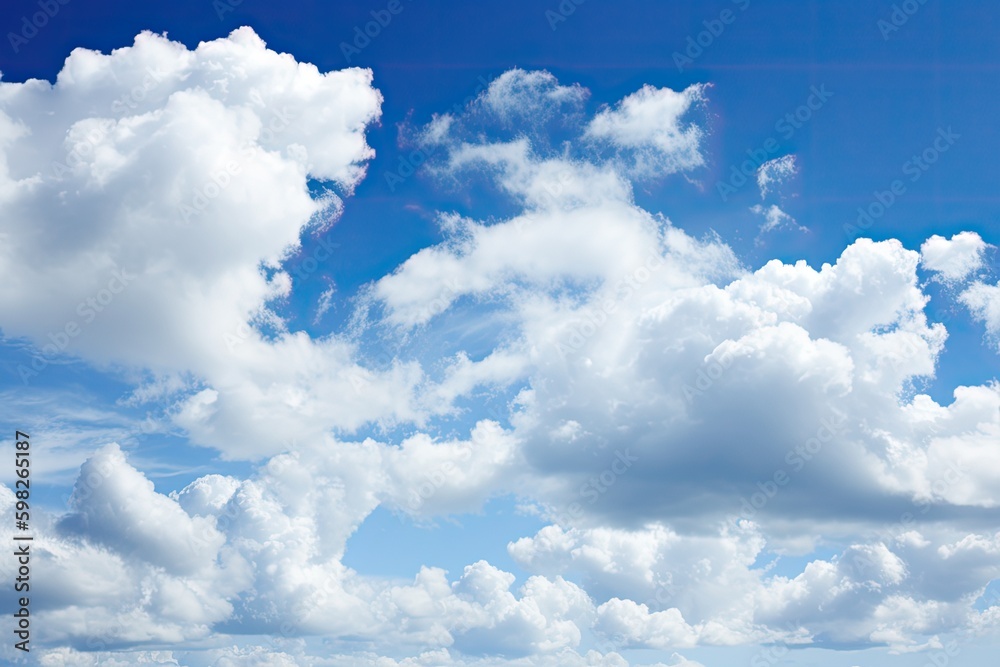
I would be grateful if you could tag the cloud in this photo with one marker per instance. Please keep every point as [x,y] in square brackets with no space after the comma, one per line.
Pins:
[953,259]
[775,172]
[518,97]
[648,125]
[775,218]
[983,301]
[166,153]
[679,419]
[192,170]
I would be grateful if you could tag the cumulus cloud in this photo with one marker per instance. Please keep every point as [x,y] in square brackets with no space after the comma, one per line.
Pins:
[634,369]
[166,153]
[953,259]
[191,169]
[677,417]
[649,123]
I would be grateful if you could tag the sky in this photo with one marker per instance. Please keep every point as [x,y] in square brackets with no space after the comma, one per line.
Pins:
[544,334]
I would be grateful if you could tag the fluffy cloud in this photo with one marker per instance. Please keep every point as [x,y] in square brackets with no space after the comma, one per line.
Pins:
[191,169]
[649,124]
[635,369]
[165,152]
[953,259]
[518,97]
[678,417]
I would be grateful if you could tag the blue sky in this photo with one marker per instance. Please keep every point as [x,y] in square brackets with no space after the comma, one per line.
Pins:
[521,333]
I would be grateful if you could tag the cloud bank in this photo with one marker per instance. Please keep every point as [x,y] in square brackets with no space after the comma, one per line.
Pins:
[680,420]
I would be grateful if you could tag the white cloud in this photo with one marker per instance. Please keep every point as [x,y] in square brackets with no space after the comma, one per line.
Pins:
[775,172]
[649,123]
[658,388]
[191,169]
[775,218]
[953,259]
[983,301]
[518,97]
[166,153]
